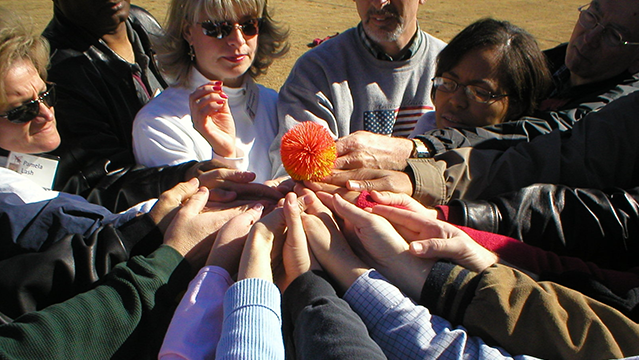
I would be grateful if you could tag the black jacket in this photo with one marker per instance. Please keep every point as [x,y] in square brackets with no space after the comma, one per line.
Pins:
[61,248]
[594,225]
[97,103]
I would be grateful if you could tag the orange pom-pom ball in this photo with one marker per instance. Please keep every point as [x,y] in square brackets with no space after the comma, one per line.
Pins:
[308,151]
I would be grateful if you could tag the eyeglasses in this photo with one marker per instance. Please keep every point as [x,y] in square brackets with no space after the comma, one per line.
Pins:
[611,36]
[30,109]
[222,29]
[472,92]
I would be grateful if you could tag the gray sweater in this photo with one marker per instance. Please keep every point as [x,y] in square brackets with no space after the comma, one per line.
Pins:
[342,85]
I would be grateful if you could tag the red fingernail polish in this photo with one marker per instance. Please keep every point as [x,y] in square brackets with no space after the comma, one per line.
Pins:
[224,96]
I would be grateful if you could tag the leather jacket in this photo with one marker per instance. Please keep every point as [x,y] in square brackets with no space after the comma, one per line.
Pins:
[600,226]
[97,103]
[63,250]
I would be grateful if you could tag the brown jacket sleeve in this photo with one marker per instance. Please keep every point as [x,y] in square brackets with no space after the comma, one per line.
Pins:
[509,309]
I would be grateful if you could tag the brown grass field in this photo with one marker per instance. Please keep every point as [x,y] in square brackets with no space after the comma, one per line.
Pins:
[550,21]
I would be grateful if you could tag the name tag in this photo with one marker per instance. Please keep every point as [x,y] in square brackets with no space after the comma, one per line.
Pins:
[40,169]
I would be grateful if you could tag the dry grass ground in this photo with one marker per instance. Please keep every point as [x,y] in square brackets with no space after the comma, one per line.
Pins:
[551,21]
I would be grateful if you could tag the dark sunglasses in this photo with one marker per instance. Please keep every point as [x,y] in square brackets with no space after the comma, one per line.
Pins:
[30,109]
[222,29]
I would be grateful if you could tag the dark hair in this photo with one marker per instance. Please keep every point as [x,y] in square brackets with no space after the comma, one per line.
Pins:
[523,71]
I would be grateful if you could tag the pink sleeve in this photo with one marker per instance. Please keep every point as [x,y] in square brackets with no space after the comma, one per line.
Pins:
[196,325]
[538,261]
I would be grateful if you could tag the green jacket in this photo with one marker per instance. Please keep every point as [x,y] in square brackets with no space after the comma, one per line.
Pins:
[124,316]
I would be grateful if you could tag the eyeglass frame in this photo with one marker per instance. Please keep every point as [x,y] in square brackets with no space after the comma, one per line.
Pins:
[597,23]
[468,90]
[256,22]
[48,98]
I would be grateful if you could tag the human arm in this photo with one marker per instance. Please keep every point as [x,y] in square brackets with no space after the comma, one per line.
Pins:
[599,226]
[571,325]
[122,312]
[599,152]
[408,331]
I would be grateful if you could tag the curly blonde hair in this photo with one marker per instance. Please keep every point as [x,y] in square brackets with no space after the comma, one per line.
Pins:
[173,49]
[18,42]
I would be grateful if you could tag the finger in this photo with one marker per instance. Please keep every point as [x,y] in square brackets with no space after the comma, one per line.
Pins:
[240,225]
[407,218]
[194,205]
[221,195]
[351,160]
[352,213]
[179,193]
[293,208]
[214,177]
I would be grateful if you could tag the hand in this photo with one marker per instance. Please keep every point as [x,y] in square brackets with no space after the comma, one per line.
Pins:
[267,248]
[329,245]
[227,184]
[406,214]
[351,196]
[445,241]
[191,229]
[170,201]
[283,184]
[379,245]
[363,149]
[212,118]
[371,179]
[227,248]
[296,254]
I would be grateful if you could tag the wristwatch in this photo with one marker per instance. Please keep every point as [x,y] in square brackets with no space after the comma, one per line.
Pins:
[420,150]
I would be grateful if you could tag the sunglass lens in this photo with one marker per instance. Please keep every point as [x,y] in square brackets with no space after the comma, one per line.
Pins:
[250,28]
[25,113]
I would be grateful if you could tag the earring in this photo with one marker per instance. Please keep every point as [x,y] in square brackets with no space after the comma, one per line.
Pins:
[191,53]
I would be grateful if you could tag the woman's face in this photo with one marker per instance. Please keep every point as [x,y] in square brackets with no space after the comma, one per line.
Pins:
[479,68]
[226,59]
[23,84]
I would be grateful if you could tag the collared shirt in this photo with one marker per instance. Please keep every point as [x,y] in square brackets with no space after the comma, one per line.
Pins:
[380,54]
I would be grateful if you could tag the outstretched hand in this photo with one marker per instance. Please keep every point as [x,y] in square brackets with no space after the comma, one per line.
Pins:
[382,247]
[364,149]
[193,229]
[371,179]
[212,118]
[269,247]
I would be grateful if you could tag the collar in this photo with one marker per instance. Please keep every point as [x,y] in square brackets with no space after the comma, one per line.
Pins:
[250,90]
[377,51]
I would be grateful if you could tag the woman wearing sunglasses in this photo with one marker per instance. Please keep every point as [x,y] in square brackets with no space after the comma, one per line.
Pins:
[213,50]
[489,73]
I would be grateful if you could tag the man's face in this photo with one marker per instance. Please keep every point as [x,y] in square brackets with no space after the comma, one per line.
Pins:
[589,57]
[98,16]
[390,20]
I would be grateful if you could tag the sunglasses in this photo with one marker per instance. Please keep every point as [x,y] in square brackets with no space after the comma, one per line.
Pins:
[30,109]
[222,29]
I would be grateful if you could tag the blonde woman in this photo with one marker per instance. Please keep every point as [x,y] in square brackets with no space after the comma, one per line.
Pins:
[214,50]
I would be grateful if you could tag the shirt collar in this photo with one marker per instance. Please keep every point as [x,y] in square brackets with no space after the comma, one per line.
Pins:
[377,51]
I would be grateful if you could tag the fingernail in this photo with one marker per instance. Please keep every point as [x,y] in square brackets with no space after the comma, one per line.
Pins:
[224,96]
[217,88]
[220,102]
[258,207]
[194,181]
[217,82]
[417,247]
[354,185]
